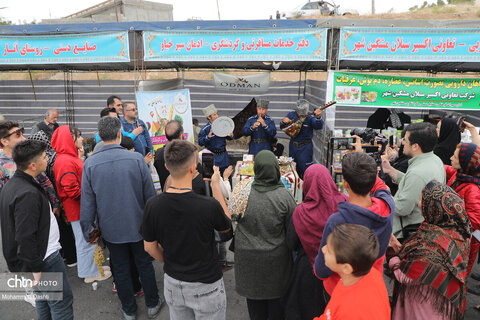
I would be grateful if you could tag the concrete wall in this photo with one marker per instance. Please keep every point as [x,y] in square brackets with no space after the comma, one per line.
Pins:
[125,10]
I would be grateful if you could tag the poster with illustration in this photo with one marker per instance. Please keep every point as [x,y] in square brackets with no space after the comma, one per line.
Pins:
[345,94]
[156,108]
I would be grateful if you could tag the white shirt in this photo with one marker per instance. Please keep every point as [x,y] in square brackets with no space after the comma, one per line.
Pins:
[53,236]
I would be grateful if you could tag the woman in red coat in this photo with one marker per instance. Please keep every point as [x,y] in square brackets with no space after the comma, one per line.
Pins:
[68,170]
[464,177]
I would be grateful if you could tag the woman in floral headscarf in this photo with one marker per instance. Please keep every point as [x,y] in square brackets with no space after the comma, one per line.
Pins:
[431,267]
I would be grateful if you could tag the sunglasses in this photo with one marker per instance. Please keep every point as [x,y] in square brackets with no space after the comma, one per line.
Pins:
[19,132]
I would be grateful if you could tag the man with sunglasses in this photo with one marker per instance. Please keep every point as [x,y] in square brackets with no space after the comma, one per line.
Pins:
[130,122]
[10,135]
[49,125]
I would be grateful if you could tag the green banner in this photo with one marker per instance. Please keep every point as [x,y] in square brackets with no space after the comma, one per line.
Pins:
[405,92]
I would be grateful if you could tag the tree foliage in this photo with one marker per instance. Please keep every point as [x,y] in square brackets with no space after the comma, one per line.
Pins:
[4,22]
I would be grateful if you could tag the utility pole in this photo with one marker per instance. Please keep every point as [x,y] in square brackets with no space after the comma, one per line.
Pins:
[218,10]
[373,6]
[116,10]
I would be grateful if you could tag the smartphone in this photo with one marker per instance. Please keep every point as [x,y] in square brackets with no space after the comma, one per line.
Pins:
[147,150]
[344,143]
[390,141]
[461,124]
[207,165]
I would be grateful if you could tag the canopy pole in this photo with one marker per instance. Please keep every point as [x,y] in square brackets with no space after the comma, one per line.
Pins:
[299,84]
[98,78]
[69,97]
[305,84]
[33,86]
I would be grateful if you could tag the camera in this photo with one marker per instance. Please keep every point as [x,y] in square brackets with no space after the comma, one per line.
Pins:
[369,135]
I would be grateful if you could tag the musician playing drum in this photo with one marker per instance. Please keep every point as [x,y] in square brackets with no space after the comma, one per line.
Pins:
[217,145]
[261,128]
[301,147]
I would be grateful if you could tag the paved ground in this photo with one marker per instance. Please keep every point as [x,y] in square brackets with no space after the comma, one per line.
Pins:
[103,304]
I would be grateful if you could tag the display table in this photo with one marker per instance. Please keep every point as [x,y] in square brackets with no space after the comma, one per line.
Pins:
[288,175]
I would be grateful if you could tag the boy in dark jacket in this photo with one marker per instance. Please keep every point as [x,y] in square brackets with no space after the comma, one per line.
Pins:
[374,212]
[30,235]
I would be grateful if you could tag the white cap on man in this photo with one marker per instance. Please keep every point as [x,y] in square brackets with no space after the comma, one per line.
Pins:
[208,111]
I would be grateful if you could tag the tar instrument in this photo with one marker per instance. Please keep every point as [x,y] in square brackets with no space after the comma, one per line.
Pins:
[293,127]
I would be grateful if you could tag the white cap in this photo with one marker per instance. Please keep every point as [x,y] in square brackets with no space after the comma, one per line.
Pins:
[208,111]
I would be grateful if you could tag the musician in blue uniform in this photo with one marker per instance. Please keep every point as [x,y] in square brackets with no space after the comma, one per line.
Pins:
[217,145]
[301,147]
[261,128]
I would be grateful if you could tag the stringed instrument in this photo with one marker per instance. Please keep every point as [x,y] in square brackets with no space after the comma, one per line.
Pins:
[293,127]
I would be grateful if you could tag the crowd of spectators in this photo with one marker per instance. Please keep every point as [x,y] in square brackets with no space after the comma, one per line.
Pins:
[322,259]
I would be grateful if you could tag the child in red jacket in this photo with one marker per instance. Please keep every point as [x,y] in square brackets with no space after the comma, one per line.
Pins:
[361,294]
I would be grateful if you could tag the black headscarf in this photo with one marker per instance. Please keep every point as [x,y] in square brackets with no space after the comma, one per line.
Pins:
[379,119]
[448,140]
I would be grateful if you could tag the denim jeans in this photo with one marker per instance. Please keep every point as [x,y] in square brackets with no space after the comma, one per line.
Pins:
[137,285]
[120,256]
[57,309]
[86,267]
[195,300]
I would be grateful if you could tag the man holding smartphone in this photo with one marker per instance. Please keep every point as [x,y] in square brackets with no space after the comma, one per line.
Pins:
[131,122]
[193,280]
[217,145]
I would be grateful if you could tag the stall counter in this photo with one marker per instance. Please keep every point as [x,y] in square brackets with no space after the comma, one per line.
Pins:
[289,178]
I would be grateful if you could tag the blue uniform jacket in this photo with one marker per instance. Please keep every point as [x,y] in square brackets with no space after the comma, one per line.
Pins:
[261,132]
[143,139]
[311,123]
[216,145]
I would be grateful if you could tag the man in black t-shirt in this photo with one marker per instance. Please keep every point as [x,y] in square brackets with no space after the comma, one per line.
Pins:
[178,228]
